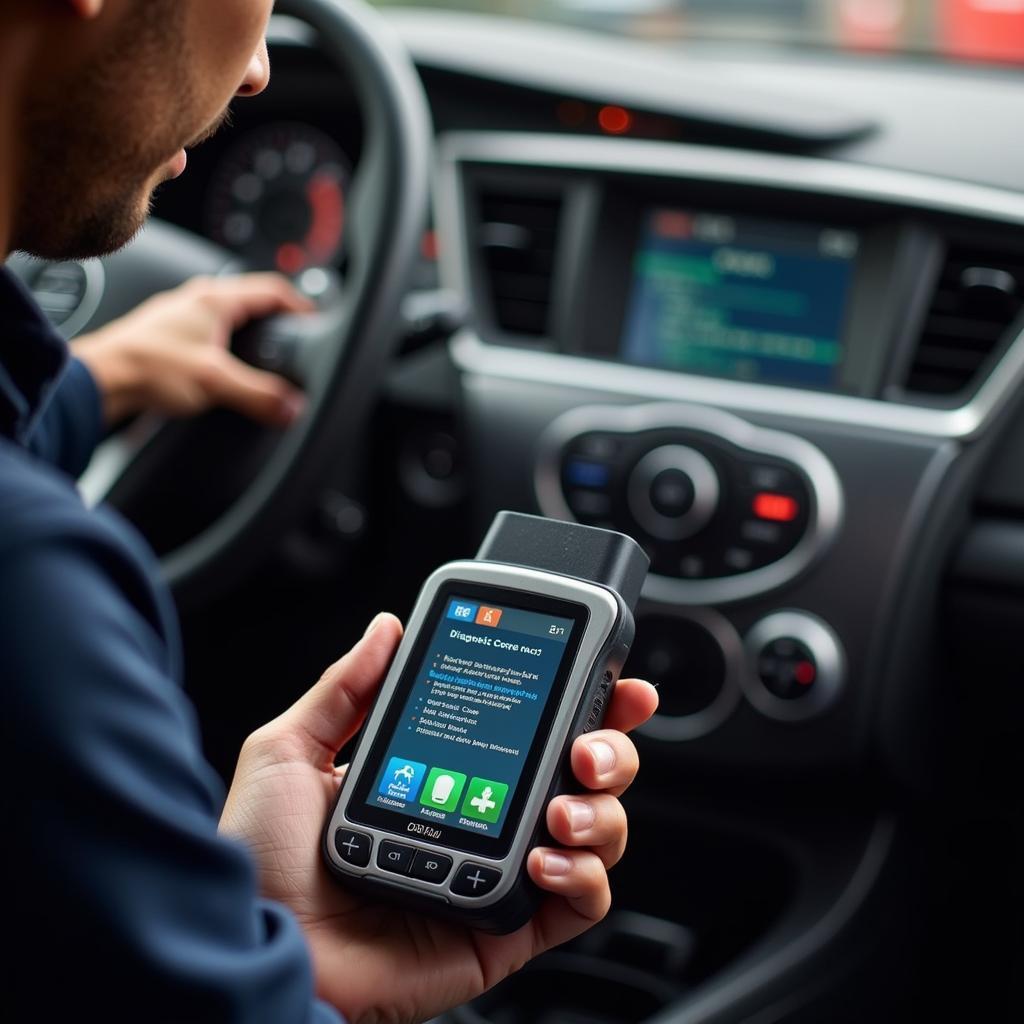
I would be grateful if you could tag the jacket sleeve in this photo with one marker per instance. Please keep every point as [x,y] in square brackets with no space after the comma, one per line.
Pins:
[124,891]
[71,425]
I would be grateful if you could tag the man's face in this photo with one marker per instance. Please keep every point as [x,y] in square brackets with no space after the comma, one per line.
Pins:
[112,103]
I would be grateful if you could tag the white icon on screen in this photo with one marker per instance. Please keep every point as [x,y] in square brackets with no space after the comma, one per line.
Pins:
[483,803]
[406,772]
[442,789]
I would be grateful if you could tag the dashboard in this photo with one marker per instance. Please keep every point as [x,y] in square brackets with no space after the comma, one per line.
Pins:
[766,316]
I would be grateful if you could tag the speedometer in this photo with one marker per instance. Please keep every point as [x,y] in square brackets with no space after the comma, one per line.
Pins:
[278,198]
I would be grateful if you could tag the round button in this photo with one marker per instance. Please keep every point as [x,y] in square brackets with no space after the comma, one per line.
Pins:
[788,668]
[795,666]
[695,657]
[673,492]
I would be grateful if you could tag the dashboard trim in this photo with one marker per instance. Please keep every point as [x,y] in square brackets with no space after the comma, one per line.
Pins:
[826,490]
[683,728]
[766,170]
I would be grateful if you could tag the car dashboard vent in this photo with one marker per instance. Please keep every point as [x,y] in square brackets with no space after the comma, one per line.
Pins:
[977,296]
[517,238]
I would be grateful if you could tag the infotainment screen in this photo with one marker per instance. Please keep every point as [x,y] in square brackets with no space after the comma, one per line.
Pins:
[740,297]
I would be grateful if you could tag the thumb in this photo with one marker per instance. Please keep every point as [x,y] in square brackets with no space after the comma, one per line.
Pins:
[330,713]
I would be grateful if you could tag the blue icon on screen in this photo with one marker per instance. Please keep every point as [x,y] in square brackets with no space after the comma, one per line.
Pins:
[402,779]
[462,610]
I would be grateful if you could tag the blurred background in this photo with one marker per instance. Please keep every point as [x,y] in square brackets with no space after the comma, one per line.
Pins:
[974,30]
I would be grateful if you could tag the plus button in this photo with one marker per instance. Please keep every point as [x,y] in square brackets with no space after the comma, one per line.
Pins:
[474,880]
[353,847]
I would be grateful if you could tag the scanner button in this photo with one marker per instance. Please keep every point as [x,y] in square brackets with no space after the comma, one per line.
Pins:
[353,847]
[430,867]
[395,857]
[474,880]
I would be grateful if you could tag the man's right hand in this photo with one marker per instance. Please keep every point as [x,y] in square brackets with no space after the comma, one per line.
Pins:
[170,355]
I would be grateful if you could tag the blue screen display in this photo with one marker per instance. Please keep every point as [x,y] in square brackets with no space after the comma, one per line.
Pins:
[740,297]
[471,715]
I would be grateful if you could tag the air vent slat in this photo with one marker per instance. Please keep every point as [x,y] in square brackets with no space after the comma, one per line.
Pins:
[516,241]
[977,296]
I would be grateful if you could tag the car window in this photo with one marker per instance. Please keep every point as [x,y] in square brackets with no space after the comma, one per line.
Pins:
[977,30]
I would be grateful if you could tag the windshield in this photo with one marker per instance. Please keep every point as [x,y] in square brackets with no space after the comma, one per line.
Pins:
[986,30]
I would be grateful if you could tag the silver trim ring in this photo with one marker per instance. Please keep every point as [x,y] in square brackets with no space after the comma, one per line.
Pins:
[825,516]
[820,639]
[682,728]
[705,491]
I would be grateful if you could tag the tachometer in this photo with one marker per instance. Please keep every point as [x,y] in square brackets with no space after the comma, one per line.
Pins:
[278,198]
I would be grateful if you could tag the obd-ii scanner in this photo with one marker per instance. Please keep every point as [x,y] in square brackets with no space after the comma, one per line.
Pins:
[505,661]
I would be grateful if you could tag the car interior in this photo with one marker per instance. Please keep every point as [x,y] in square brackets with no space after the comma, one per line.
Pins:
[760,307]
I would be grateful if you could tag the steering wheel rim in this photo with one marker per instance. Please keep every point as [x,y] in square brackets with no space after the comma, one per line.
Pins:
[388,203]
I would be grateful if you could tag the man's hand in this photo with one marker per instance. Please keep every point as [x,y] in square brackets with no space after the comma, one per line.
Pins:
[379,963]
[170,355]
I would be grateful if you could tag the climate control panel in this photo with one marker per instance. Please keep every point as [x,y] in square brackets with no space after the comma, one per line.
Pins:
[725,509]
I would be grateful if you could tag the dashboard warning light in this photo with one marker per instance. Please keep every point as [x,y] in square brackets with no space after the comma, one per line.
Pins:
[780,508]
[290,258]
[615,120]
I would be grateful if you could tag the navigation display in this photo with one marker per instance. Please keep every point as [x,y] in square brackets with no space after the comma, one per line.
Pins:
[740,297]
[479,699]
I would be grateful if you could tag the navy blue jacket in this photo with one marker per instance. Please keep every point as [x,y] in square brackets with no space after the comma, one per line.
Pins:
[126,903]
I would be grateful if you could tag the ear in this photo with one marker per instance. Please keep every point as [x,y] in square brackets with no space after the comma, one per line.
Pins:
[87,9]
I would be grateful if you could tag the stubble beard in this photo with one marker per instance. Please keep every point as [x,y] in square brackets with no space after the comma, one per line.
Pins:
[92,152]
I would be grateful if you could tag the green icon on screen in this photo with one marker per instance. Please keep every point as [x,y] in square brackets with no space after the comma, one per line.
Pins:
[484,799]
[442,789]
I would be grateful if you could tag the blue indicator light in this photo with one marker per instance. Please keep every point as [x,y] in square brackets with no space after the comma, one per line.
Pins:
[581,473]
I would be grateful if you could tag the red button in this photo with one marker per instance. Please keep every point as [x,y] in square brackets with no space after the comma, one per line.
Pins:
[804,673]
[780,508]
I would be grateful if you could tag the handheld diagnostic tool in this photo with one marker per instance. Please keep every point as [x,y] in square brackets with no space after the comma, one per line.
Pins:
[505,661]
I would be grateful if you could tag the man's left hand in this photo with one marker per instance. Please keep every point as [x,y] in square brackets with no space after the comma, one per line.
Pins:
[381,963]
[171,356]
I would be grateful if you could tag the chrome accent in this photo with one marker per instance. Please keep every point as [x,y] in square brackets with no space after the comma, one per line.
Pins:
[705,491]
[827,495]
[94,280]
[766,170]
[822,642]
[604,614]
[680,728]
[95,283]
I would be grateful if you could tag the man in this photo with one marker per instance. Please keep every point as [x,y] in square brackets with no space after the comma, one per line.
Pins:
[124,901]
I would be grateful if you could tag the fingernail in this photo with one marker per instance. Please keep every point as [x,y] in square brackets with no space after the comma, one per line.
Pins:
[556,864]
[374,623]
[604,756]
[581,815]
[293,405]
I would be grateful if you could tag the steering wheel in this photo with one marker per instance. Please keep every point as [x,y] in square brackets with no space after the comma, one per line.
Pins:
[266,481]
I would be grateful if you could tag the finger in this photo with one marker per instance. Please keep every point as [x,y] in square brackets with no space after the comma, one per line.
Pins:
[633,702]
[606,760]
[258,394]
[338,776]
[597,821]
[326,716]
[579,877]
[245,297]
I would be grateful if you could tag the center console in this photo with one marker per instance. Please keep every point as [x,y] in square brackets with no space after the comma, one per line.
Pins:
[782,376]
